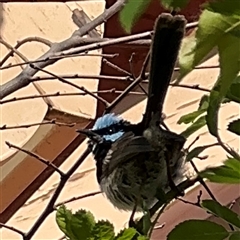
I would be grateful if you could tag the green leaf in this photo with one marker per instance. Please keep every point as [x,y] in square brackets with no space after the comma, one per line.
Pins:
[234,93]
[103,230]
[228,173]
[199,123]
[221,211]
[142,238]
[190,117]
[212,29]
[75,226]
[225,7]
[234,164]
[63,217]
[126,234]
[234,126]
[198,230]
[173,4]
[212,112]
[196,151]
[132,12]
[229,59]
[235,235]
[204,102]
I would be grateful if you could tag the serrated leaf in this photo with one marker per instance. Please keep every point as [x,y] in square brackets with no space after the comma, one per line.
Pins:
[63,216]
[199,123]
[235,235]
[212,28]
[103,230]
[126,234]
[75,226]
[173,4]
[132,12]
[234,126]
[198,230]
[212,112]
[223,174]
[221,211]
[225,7]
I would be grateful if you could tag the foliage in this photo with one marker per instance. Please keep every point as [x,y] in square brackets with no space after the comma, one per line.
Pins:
[82,225]
[218,28]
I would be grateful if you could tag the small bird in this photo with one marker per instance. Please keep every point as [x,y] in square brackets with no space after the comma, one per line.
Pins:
[137,163]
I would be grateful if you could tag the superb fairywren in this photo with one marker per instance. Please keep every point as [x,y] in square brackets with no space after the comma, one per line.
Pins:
[137,163]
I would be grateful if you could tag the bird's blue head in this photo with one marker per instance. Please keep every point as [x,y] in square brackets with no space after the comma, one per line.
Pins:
[109,122]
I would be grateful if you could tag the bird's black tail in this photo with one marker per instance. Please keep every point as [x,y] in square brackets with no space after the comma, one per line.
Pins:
[169,31]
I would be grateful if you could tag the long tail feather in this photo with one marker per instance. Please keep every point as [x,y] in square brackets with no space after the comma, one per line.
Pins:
[169,31]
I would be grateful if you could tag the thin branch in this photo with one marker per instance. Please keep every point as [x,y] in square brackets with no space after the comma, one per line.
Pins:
[72,84]
[50,206]
[53,121]
[144,66]
[22,80]
[19,43]
[42,160]
[114,66]
[197,203]
[194,87]
[12,229]
[13,49]
[131,65]
[227,149]
[100,44]
[77,198]
[97,77]
[80,18]
[59,94]
[203,182]
[156,219]
[60,57]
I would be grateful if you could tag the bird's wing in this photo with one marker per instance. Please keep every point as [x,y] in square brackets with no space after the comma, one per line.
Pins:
[125,148]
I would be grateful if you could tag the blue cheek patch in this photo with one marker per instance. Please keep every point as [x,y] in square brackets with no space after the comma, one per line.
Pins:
[113,137]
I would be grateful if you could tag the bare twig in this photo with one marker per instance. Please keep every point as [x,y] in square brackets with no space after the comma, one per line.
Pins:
[59,94]
[156,219]
[14,50]
[22,80]
[34,155]
[53,121]
[12,229]
[197,203]
[50,206]
[19,43]
[72,84]
[80,18]
[100,44]
[131,65]
[203,182]
[114,66]
[59,58]
[227,149]
[105,77]
[77,198]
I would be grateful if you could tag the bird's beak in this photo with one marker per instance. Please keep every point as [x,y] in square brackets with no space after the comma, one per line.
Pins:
[91,135]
